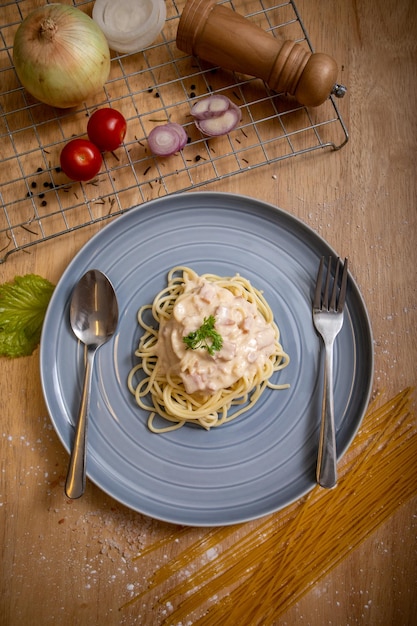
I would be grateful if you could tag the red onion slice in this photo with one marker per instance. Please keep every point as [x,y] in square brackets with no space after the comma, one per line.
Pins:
[221,125]
[167,139]
[216,115]
[211,107]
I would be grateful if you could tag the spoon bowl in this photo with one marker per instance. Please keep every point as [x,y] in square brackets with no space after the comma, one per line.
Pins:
[94,316]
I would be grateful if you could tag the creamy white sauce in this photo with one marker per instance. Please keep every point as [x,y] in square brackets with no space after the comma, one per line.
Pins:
[248,340]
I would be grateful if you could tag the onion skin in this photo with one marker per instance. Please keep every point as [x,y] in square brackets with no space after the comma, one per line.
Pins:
[61,56]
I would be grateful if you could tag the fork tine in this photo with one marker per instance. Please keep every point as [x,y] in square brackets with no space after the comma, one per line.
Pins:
[327,285]
[332,306]
[317,293]
[342,294]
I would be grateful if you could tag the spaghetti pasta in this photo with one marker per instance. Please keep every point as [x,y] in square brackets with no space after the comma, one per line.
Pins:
[231,365]
[264,567]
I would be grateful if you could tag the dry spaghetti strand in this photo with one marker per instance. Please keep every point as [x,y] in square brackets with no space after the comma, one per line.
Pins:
[277,559]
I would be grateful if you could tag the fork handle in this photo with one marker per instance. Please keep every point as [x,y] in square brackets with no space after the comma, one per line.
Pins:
[326,472]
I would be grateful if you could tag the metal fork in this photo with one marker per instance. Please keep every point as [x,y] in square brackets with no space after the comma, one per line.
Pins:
[328,320]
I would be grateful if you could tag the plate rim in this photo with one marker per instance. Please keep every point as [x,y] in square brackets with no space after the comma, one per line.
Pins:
[290,219]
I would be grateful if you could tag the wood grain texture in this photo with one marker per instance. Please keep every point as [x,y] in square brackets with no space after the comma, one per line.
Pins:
[72,562]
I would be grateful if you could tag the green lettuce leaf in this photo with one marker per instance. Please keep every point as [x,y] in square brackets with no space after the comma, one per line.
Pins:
[23,304]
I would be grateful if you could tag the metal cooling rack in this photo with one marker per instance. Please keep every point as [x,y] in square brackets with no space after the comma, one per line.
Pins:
[38,202]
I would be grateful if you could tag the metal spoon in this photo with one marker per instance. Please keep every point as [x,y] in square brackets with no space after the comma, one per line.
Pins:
[93,316]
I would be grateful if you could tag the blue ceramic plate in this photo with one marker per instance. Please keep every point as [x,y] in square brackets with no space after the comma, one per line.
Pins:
[263,460]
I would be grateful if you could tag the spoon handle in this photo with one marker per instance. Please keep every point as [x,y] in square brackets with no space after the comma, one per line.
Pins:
[75,482]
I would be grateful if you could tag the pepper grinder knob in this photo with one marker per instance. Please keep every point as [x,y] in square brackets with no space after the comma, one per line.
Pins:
[225,38]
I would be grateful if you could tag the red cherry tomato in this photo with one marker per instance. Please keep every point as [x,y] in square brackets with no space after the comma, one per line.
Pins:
[107,129]
[80,159]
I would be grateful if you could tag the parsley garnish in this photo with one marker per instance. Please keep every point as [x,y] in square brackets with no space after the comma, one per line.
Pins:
[205,337]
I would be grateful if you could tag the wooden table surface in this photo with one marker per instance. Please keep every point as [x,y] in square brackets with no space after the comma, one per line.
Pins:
[72,562]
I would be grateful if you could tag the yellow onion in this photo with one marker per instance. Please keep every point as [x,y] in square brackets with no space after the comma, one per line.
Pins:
[61,56]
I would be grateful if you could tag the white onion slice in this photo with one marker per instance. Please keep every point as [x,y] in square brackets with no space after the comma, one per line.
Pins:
[130,25]
[216,115]
[167,139]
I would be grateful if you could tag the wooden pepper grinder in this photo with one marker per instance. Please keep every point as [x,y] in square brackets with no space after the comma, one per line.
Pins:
[221,36]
